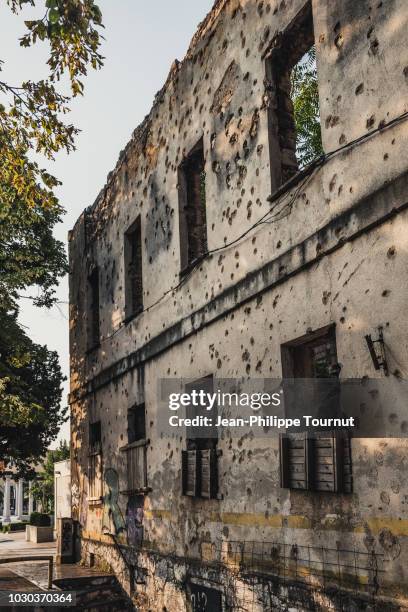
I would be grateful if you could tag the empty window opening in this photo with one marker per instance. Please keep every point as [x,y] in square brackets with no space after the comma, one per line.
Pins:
[294,117]
[200,460]
[93,309]
[133,270]
[95,436]
[192,205]
[137,424]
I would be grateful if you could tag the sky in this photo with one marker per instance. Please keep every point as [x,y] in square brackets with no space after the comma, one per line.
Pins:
[142,41]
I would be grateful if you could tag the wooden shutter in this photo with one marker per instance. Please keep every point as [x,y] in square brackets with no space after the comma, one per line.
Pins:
[347,467]
[190,473]
[296,462]
[208,473]
[332,463]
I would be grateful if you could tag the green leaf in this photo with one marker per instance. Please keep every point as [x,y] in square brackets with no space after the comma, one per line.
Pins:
[53,16]
[51,4]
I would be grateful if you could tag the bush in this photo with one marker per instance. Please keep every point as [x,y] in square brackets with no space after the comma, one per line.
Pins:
[18,526]
[37,519]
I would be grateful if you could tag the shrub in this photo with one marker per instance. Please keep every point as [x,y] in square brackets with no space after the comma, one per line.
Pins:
[37,519]
[18,526]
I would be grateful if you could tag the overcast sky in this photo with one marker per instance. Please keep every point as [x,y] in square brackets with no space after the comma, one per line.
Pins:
[142,40]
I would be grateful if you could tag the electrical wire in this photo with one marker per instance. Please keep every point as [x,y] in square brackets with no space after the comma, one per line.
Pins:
[299,180]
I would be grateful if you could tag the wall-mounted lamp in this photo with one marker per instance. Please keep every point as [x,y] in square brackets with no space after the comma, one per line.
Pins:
[377,353]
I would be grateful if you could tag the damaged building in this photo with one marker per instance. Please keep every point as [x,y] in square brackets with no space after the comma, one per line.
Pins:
[214,252]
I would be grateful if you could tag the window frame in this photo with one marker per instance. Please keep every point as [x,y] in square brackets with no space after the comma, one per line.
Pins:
[134,300]
[93,310]
[189,256]
[282,56]
[308,445]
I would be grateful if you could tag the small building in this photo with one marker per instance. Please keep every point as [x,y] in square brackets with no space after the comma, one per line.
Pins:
[16,500]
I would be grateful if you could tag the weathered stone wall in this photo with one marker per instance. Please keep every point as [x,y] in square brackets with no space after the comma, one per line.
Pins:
[336,252]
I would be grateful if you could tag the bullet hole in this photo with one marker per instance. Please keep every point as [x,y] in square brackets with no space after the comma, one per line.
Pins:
[219,364]
[216,168]
[248,369]
[405,71]
[392,251]
[325,298]
[332,183]
[374,46]
[342,320]
[332,121]
[370,122]
[279,244]
[339,41]
[342,139]
[245,355]
[359,89]
[386,156]
[386,293]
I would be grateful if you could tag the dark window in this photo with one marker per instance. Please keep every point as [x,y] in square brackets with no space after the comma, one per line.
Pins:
[311,356]
[192,207]
[318,461]
[136,424]
[200,460]
[133,270]
[95,436]
[95,468]
[93,309]
[294,114]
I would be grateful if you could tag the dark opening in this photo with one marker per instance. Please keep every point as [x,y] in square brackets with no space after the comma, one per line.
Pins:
[93,313]
[136,424]
[192,202]
[133,270]
[311,356]
[294,117]
[95,436]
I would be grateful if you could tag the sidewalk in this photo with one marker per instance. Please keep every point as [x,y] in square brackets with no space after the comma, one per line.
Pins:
[33,575]
[23,576]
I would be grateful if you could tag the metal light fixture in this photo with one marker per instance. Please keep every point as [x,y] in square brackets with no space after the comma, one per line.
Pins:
[378,357]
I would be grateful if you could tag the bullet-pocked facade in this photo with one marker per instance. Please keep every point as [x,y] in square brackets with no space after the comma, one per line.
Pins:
[210,254]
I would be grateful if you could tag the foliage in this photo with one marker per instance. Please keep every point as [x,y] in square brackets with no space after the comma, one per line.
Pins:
[38,519]
[33,124]
[43,487]
[305,96]
[30,395]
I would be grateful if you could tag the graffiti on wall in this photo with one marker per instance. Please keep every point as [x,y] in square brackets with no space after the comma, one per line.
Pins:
[112,515]
[134,520]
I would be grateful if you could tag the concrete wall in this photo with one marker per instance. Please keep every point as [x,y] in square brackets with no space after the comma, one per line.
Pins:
[62,482]
[335,253]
